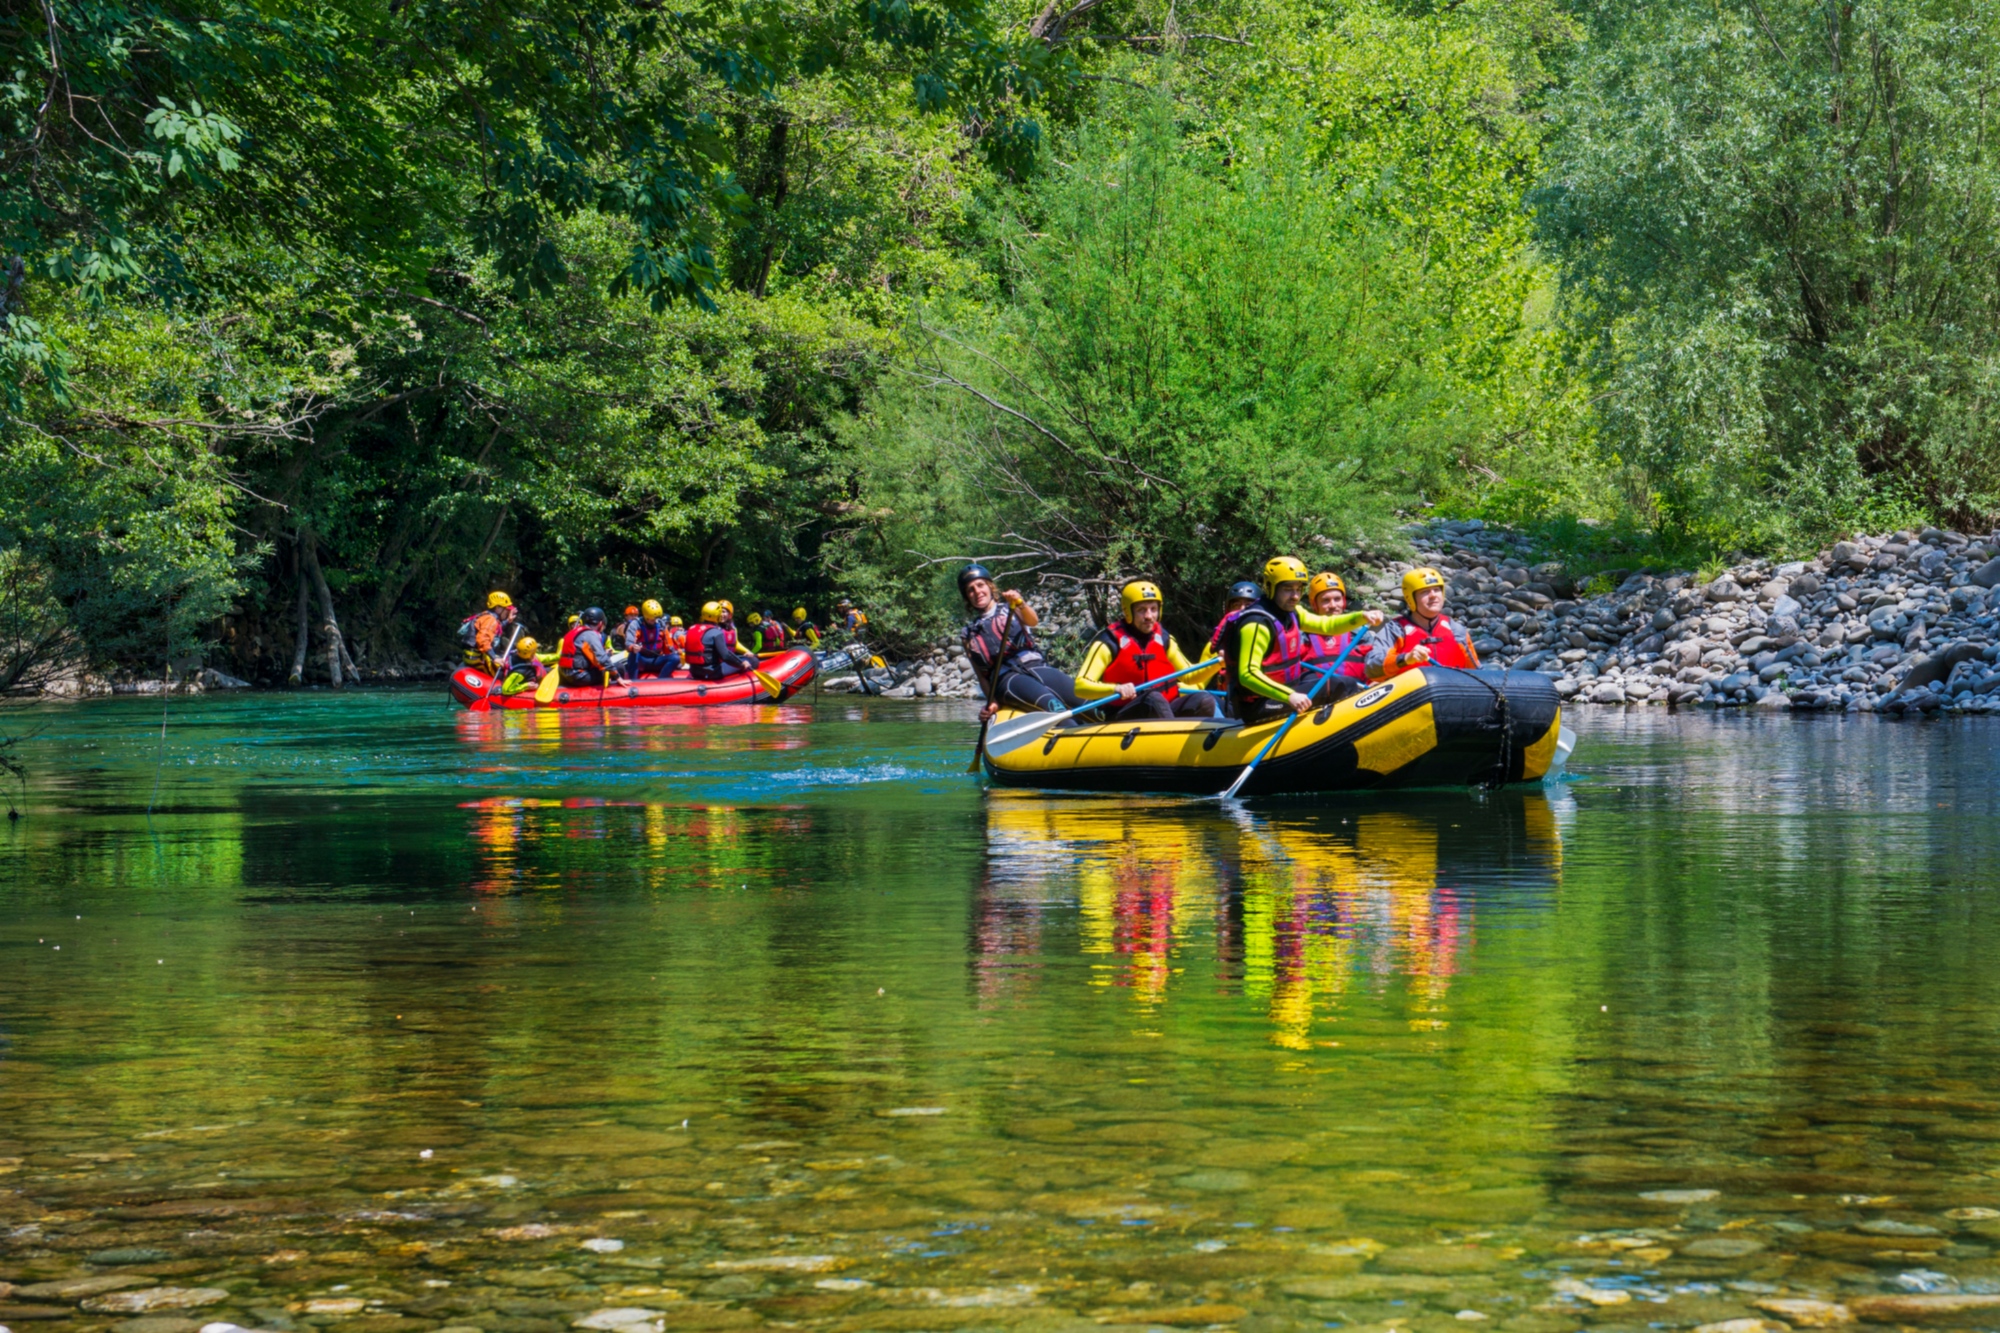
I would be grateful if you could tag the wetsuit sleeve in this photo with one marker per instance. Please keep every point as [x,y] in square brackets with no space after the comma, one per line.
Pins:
[1090,676]
[1253,641]
[1178,660]
[1314,623]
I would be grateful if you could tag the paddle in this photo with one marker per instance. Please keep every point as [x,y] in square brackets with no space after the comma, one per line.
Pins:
[1326,674]
[771,684]
[545,693]
[1023,729]
[501,674]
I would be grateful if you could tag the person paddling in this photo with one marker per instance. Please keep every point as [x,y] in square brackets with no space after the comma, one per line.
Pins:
[650,648]
[1266,650]
[1000,641]
[712,654]
[1326,595]
[483,635]
[1134,650]
[1423,634]
[803,629]
[585,659]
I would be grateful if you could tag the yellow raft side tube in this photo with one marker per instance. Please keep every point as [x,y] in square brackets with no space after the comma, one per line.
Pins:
[1434,726]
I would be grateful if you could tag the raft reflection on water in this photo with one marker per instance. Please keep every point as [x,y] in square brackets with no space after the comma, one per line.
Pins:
[1297,908]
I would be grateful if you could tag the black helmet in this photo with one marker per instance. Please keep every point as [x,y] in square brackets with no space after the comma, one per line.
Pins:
[1243,590]
[968,574]
[593,615]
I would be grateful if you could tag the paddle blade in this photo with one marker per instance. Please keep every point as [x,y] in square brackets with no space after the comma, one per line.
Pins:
[545,693]
[771,684]
[1018,731]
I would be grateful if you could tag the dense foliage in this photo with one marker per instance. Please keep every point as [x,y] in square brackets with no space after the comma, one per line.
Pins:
[317,320]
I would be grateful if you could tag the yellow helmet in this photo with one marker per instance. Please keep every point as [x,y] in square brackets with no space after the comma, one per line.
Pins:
[653,609]
[1321,582]
[528,645]
[1137,591]
[799,614]
[496,600]
[1417,580]
[575,620]
[755,620]
[724,604]
[675,621]
[711,613]
[1281,569]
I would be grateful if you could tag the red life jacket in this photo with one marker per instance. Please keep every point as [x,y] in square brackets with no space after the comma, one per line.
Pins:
[571,658]
[1447,649]
[696,646]
[1135,661]
[773,638]
[1327,647]
[1284,661]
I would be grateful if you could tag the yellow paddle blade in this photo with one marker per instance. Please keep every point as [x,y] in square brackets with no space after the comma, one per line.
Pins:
[877,663]
[545,693]
[771,684]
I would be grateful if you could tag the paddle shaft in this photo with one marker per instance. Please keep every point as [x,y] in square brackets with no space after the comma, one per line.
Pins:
[992,684]
[1326,674]
[501,674]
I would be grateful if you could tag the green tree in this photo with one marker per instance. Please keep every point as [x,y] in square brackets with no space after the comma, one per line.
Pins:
[1775,224]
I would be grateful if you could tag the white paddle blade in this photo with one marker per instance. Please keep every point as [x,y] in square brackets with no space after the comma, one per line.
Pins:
[1015,732]
[1565,746]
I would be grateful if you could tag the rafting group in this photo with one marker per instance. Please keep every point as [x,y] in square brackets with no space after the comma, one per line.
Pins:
[1284,642]
[647,643]
[1293,692]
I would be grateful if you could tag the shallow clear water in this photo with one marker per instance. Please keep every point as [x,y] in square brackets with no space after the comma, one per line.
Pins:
[389,1018]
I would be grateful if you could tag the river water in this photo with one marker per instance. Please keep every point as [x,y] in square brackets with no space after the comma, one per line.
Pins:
[363,1014]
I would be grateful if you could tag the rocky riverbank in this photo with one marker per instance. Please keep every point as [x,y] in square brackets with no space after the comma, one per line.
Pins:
[1898,623]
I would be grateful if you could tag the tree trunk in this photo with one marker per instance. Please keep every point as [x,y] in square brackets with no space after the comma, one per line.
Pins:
[329,623]
[299,645]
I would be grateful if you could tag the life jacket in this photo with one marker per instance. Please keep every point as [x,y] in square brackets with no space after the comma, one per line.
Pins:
[1284,661]
[986,643]
[1447,649]
[1326,648]
[628,633]
[571,659]
[771,637]
[469,630]
[677,635]
[695,648]
[653,638]
[1136,661]
[806,632]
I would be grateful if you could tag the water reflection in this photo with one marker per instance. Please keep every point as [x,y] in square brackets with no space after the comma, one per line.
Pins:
[1295,909]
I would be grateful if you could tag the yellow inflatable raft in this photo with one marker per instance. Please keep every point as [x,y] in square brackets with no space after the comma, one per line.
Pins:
[1432,727]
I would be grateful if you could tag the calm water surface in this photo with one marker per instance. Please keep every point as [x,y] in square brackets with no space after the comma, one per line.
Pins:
[363,1014]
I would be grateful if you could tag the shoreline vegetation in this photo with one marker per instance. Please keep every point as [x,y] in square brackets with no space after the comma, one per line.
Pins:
[315,327]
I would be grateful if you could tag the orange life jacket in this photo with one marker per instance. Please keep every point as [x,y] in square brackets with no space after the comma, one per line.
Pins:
[1135,661]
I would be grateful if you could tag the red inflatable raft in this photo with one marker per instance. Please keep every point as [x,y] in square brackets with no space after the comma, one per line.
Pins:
[793,670]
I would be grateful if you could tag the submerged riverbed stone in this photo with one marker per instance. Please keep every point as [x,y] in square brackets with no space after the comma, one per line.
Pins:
[132,1254]
[1723,1247]
[156,1298]
[1437,1259]
[1801,1312]
[76,1288]
[1939,1309]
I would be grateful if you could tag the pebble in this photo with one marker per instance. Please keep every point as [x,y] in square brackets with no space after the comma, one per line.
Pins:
[1939,1309]
[1801,1312]
[76,1288]
[1438,1259]
[155,1298]
[1722,1247]
[1743,1326]
[127,1255]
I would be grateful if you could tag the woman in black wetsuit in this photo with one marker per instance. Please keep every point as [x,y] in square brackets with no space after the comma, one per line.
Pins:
[1002,630]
